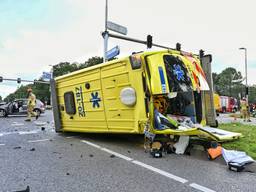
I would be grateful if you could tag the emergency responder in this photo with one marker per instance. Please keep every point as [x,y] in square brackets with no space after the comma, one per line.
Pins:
[245,110]
[31,105]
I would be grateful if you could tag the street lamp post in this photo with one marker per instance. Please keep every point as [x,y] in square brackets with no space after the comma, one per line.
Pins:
[246,82]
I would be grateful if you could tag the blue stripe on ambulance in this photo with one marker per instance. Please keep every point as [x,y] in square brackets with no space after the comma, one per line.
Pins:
[161,74]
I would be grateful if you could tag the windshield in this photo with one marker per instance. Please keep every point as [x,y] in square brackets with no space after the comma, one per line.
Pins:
[177,74]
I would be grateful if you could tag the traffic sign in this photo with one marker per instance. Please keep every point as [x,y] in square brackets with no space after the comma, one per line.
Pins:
[117,28]
[113,52]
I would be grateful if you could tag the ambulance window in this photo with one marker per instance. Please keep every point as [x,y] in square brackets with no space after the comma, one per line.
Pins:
[69,100]
[177,74]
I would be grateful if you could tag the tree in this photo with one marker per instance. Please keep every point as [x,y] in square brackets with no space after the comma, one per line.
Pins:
[42,91]
[64,68]
[1,99]
[91,62]
[223,82]
[252,94]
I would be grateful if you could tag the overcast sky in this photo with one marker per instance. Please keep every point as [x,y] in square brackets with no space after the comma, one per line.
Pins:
[37,33]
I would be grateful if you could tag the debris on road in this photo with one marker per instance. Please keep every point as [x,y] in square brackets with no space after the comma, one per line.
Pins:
[33,149]
[91,155]
[42,128]
[67,173]
[26,190]
[17,147]
[236,160]
[213,153]
[181,145]
[112,156]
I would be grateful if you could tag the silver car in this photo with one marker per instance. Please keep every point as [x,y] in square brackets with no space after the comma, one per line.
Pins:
[19,107]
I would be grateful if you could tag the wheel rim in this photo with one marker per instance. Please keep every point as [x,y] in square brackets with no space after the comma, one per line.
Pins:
[2,113]
[37,112]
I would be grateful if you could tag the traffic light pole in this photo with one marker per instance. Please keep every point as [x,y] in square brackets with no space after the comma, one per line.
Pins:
[135,40]
[28,81]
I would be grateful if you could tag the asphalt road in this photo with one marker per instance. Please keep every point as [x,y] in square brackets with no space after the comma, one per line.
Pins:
[225,118]
[48,161]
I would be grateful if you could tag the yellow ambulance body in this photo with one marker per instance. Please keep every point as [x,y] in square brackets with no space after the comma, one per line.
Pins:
[117,96]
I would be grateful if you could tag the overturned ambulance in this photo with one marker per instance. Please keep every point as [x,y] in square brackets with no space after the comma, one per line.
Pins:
[147,92]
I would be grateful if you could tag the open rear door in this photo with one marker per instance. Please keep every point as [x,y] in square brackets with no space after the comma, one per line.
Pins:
[208,99]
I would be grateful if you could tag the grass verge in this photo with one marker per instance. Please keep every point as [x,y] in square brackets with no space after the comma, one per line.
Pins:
[247,143]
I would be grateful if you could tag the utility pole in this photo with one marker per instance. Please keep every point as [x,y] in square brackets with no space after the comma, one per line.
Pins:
[106,33]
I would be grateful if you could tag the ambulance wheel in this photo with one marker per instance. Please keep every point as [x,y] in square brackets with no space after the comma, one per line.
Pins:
[216,124]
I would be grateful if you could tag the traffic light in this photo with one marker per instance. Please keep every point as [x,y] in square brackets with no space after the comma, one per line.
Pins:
[178,46]
[247,90]
[1,79]
[201,52]
[149,41]
[19,80]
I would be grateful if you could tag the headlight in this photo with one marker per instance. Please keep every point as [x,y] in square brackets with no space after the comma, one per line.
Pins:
[128,96]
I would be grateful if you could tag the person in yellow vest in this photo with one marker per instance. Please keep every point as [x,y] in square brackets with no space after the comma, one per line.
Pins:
[245,109]
[31,105]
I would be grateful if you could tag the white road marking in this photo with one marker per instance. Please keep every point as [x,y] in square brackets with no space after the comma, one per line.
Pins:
[34,141]
[19,132]
[161,172]
[156,170]
[17,124]
[39,123]
[7,133]
[27,132]
[117,154]
[151,168]
[1,144]
[91,144]
[201,188]
[70,137]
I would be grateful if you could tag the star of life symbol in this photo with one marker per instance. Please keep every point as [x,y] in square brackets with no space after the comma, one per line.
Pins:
[95,100]
[178,72]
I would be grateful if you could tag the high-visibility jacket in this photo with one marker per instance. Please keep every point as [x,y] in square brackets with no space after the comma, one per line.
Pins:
[31,99]
[243,105]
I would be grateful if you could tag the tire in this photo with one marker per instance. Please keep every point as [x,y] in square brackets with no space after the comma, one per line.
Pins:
[37,111]
[3,113]
[216,124]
